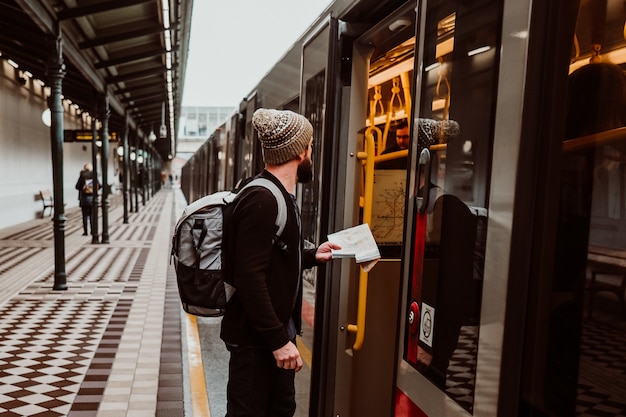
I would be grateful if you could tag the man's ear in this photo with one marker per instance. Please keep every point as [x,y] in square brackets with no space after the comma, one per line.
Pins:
[302,156]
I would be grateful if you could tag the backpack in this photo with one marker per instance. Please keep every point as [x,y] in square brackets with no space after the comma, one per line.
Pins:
[197,250]
[88,186]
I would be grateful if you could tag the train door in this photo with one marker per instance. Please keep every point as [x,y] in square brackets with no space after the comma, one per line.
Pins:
[316,103]
[370,182]
[447,214]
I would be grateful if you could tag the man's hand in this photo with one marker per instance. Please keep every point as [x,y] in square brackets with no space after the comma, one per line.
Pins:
[324,253]
[288,357]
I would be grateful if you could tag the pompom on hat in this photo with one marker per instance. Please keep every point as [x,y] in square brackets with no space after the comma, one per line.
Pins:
[283,134]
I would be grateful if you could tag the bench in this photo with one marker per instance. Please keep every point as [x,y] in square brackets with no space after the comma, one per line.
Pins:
[47,200]
[608,274]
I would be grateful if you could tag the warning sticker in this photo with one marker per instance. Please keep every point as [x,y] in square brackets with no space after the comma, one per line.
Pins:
[426,324]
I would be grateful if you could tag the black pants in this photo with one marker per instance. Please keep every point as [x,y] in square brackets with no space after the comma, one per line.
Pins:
[86,209]
[257,387]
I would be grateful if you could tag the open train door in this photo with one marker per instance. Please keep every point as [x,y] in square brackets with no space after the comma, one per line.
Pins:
[317,101]
[355,349]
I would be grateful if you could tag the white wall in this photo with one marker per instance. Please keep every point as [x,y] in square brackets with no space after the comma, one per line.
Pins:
[25,151]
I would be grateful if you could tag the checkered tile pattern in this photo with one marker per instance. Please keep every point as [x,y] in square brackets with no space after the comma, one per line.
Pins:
[602,374]
[602,380]
[96,349]
[45,349]
[461,372]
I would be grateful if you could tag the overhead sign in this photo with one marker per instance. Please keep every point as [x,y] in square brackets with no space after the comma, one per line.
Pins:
[85,136]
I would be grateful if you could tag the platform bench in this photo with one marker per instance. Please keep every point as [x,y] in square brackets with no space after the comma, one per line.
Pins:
[610,265]
[47,200]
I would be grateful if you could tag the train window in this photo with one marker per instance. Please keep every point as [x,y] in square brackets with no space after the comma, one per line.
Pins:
[583,332]
[312,102]
[388,125]
[453,133]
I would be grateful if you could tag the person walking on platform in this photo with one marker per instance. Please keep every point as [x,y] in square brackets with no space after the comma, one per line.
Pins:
[86,185]
[263,317]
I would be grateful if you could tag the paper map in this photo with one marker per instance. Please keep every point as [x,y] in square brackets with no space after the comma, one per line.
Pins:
[356,242]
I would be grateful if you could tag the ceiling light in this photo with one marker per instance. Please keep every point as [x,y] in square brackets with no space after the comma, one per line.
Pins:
[152,136]
[478,50]
[46,117]
[432,66]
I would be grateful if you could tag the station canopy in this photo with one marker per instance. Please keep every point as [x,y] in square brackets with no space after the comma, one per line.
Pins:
[132,51]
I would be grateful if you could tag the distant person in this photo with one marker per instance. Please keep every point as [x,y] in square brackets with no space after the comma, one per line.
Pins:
[86,185]
[264,316]
[401,137]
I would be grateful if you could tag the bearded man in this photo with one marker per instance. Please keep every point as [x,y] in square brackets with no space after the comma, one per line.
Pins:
[263,317]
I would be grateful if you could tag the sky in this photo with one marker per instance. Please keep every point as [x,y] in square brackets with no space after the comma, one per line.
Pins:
[235,43]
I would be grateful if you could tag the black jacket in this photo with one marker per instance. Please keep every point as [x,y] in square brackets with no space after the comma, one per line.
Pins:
[86,199]
[268,277]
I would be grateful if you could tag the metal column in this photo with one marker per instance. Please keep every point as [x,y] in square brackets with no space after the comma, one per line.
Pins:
[55,72]
[106,112]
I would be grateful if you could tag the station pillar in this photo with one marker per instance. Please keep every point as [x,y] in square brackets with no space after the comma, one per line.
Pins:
[55,72]
[106,112]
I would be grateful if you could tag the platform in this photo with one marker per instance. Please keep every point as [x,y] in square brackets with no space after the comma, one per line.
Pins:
[109,345]
[116,343]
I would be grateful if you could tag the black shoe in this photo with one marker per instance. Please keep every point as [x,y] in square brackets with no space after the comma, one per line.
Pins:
[84,234]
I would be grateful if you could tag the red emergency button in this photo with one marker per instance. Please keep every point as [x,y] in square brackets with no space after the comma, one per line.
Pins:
[414,314]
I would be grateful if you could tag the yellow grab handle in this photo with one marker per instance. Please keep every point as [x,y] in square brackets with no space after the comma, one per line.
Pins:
[359,327]
[368,155]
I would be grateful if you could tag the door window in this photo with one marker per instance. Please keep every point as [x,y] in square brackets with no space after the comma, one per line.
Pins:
[579,368]
[453,132]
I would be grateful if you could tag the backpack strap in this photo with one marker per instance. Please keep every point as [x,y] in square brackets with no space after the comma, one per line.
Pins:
[281,218]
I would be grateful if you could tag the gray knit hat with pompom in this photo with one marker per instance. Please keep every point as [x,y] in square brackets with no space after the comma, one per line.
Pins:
[283,134]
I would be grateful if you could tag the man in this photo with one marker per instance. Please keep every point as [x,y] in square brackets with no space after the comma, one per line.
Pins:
[86,186]
[402,142]
[263,317]
[402,136]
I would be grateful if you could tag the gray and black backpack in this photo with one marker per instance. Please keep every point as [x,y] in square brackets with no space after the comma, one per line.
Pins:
[197,250]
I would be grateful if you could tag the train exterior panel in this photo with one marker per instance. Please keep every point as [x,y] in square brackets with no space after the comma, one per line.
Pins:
[501,287]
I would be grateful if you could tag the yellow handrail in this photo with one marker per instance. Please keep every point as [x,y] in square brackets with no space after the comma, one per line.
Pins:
[406,87]
[390,156]
[368,155]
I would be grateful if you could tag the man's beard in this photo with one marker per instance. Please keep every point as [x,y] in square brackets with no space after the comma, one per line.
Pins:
[305,171]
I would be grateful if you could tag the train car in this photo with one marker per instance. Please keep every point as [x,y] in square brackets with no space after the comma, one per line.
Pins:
[501,287]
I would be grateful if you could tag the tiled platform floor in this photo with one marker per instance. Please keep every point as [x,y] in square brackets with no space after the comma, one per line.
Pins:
[108,346]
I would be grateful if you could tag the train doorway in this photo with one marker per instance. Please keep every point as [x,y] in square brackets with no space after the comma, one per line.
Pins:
[377,108]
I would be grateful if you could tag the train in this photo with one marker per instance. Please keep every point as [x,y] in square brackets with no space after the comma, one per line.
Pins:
[500,287]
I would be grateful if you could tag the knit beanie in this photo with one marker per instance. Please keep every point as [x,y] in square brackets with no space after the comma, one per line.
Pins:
[432,132]
[283,134]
